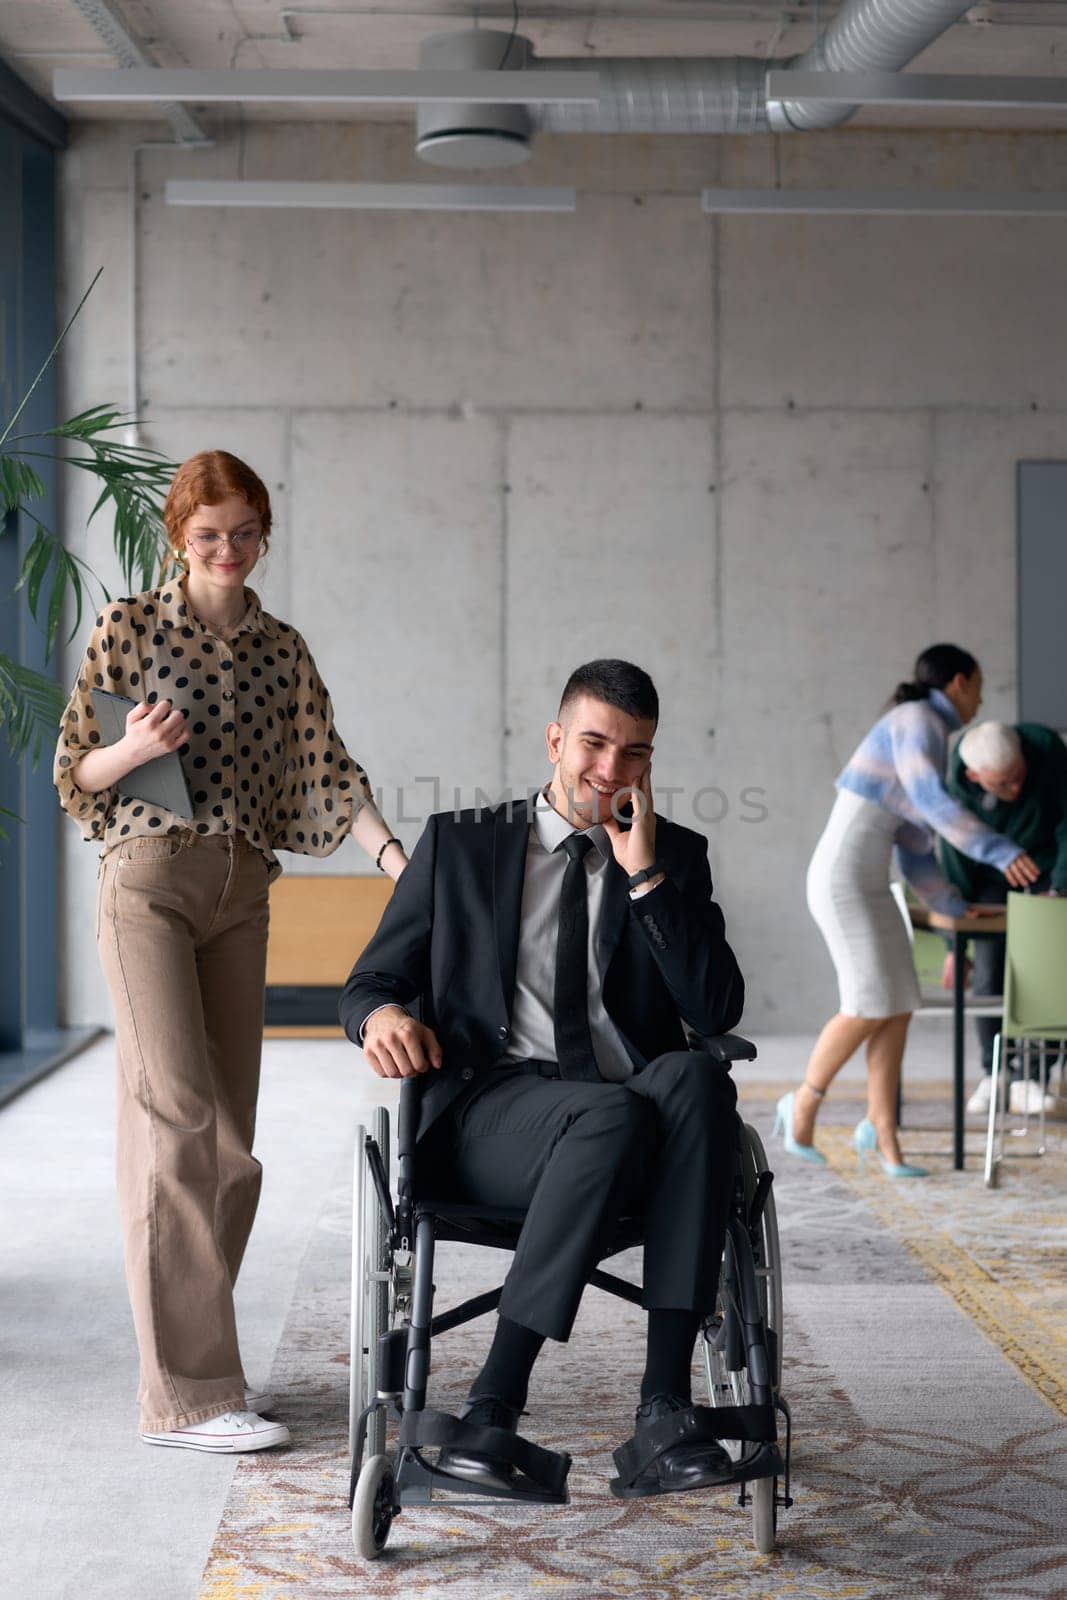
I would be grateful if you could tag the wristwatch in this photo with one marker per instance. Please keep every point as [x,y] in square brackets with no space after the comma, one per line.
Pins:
[637,878]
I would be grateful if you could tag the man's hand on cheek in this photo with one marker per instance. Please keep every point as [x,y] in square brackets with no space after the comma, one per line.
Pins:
[635,847]
[397,1046]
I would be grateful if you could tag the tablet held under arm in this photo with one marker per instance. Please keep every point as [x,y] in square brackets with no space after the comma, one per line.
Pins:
[161,781]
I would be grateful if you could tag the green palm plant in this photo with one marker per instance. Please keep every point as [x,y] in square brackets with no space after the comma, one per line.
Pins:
[132,483]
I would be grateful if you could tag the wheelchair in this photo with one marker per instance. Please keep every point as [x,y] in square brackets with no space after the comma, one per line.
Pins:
[393,1323]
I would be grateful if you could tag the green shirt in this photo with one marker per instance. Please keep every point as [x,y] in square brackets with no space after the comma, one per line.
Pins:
[1036,821]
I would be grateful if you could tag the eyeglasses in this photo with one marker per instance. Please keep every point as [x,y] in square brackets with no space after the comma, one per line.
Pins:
[207,544]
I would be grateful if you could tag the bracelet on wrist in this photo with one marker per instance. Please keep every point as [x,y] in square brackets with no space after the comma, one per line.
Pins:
[381,852]
[637,878]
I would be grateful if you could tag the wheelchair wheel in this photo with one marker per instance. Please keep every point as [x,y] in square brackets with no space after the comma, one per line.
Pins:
[373,1507]
[724,1354]
[768,1253]
[370,1286]
[727,1381]
[724,1366]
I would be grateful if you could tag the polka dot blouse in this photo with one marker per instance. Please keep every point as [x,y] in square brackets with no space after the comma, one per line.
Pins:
[263,756]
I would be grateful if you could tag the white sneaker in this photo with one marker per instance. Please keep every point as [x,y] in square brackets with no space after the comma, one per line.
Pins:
[982,1095]
[234,1430]
[1027,1095]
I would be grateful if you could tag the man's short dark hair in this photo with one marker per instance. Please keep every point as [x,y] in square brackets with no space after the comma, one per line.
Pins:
[616,683]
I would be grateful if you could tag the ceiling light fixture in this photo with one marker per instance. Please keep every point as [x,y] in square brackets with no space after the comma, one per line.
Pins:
[294,86]
[367,196]
[919,89]
[880,203]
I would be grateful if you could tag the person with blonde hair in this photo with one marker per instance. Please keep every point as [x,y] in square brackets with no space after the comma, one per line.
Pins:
[181,921]
[1015,780]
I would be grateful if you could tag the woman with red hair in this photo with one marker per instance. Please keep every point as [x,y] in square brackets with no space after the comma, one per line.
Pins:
[182,916]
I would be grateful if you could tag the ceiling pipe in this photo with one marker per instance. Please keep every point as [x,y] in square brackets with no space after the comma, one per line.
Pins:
[719,94]
[662,94]
[703,95]
[865,36]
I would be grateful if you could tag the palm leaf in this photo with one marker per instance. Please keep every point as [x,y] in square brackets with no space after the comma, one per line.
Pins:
[46,551]
[14,816]
[36,564]
[31,707]
[132,483]
[87,422]
[18,482]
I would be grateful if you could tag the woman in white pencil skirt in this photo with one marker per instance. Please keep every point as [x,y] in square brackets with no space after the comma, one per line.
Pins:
[891,795]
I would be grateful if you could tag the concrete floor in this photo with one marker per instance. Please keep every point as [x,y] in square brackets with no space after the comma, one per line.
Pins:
[89,1511]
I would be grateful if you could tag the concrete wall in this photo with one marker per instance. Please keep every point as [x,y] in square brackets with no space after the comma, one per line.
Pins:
[769,459]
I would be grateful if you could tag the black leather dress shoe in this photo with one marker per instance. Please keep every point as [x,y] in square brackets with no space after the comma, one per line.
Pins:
[684,1466]
[491,1472]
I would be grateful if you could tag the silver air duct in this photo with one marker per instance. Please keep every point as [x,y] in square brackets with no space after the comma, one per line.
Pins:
[711,94]
[703,94]
[865,36]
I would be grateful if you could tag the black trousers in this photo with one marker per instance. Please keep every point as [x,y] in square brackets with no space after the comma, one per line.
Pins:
[578,1156]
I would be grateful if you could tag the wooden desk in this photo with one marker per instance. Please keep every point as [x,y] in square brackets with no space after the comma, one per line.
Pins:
[961,929]
[319,924]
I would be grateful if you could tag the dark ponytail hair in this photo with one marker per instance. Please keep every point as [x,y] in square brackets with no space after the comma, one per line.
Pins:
[936,667]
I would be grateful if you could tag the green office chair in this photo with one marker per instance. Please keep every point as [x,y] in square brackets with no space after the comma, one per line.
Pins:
[1035,1004]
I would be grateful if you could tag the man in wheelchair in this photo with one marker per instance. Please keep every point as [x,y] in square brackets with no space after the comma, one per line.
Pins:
[556,947]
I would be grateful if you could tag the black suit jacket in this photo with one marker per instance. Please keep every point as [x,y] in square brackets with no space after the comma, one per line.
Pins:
[449,940]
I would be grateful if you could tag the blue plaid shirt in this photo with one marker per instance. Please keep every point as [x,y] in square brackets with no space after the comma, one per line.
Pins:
[900,766]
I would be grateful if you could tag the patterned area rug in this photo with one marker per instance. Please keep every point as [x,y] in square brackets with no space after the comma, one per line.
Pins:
[925,1463]
[1001,1254]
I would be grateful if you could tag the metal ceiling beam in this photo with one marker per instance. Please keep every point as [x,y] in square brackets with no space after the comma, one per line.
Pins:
[291,86]
[366,196]
[919,89]
[131,55]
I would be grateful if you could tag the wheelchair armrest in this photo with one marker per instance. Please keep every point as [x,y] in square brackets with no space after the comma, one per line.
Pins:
[724,1047]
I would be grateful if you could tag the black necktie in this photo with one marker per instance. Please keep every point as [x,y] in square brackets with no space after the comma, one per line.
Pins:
[574,1042]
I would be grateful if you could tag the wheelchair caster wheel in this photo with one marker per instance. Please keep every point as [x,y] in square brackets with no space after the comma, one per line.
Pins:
[764,1514]
[372,1508]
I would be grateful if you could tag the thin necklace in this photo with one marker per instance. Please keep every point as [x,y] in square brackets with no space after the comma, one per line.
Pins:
[228,626]
[219,627]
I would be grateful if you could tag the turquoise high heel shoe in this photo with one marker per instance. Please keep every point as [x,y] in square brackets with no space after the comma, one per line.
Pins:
[783,1124]
[866,1141]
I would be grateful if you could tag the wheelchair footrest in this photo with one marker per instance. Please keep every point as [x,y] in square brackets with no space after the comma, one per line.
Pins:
[636,1459]
[540,1474]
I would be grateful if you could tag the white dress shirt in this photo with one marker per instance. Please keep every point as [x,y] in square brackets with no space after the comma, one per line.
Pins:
[533,1031]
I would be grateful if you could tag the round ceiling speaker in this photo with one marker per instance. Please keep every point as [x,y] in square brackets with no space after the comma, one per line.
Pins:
[474,136]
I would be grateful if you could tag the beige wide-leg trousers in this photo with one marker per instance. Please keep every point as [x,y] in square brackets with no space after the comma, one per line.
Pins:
[182,932]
